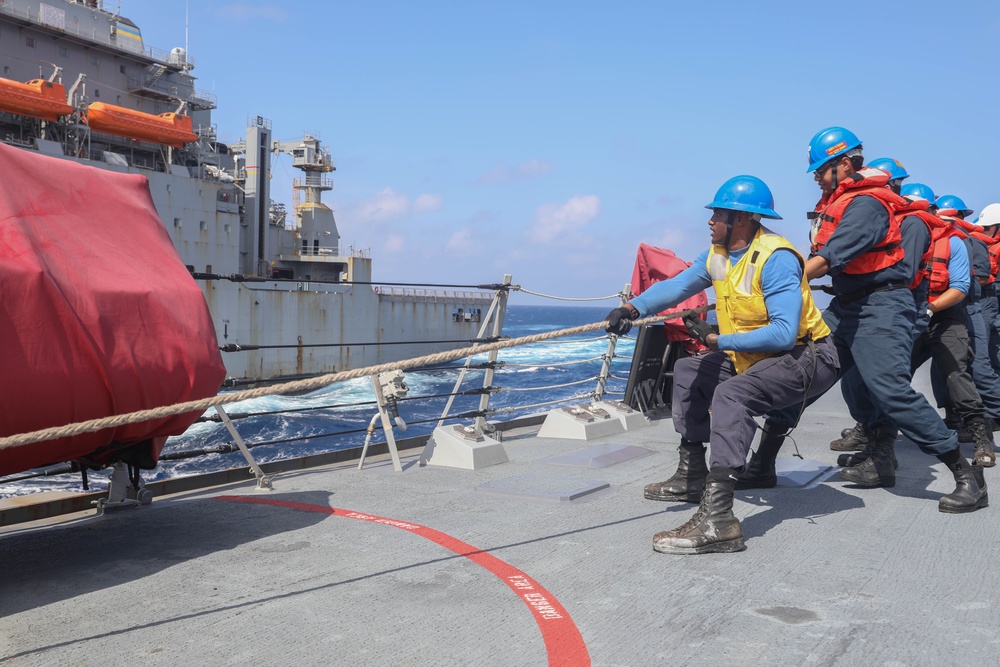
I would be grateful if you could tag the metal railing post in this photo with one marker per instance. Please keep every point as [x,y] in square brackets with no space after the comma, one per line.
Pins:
[494,310]
[484,400]
[602,377]
[263,481]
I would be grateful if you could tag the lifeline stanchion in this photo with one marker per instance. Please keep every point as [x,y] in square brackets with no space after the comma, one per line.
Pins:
[602,377]
[263,482]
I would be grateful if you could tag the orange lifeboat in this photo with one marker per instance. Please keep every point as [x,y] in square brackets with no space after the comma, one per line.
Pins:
[38,99]
[172,129]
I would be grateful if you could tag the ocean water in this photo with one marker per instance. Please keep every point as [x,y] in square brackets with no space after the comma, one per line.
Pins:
[332,419]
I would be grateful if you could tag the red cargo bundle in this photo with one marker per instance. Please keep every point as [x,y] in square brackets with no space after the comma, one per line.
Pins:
[98,316]
[654,264]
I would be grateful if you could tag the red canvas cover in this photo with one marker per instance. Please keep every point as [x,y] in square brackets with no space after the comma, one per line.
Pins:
[98,314]
[654,264]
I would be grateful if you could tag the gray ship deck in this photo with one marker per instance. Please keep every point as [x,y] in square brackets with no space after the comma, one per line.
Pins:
[832,575]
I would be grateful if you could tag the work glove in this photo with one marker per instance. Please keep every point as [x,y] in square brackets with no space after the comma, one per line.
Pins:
[699,328]
[619,321]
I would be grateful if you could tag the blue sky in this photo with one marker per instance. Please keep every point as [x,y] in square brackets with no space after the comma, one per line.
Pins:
[548,139]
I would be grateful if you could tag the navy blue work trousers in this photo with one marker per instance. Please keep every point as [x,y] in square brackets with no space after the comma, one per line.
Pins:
[874,336]
[709,382]
[986,380]
[946,343]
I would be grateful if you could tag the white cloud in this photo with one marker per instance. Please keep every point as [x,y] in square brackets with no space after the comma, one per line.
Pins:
[460,241]
[505,173]
[243,12]
[390,205]
[426,202]
[552,220]
[394,243]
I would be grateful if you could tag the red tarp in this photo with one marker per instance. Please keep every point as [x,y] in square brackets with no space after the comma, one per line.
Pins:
[98,316]
[654,264]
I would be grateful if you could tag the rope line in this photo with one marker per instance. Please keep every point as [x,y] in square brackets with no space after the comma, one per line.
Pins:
[518,408]
[558,363]
[551,386]
[310,384]
[518,288]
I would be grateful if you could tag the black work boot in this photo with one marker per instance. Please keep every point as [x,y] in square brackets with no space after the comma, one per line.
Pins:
[759,473]
[879,469]
[848,460]
[713,528]
[982,438]
[688,482]
[970,492]
[956,423]
[851,440]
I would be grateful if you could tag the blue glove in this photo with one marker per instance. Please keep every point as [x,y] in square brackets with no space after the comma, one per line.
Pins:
[699,328]
[619,321]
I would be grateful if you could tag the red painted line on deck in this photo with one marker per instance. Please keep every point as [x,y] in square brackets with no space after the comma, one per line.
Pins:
[563,640]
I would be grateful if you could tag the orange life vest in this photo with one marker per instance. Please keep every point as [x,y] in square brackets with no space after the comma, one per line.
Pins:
[976,232]
[934,262]
[937,263]
[830,209]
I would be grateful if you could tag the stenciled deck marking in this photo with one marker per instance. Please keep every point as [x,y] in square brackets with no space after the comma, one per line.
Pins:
[563,641]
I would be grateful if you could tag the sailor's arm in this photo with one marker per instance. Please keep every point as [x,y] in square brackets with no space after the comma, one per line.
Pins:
[959,277]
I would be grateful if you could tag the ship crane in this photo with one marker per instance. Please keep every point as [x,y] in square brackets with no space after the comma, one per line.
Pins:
[315,227]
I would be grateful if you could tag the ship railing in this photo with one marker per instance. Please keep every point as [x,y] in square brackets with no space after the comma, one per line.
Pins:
[27,14]
[323,183]
[427,294]
[155,84]
[168,58]
[464,401]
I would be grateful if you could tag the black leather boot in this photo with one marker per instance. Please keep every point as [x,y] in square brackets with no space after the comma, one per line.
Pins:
[759,473]
[956,423]
[851,440]
[713,528]
[848,460]
[688,482]
[970,492]
[982,438]
[879,469]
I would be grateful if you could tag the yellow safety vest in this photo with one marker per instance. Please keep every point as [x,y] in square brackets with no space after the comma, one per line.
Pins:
[739,297]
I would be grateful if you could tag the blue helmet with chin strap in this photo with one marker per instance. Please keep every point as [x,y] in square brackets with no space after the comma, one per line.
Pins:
[951,201]
[830,143]
[893,167]
[745,193]
[918,191]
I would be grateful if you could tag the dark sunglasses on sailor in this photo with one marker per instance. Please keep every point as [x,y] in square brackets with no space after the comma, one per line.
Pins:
[823,168]
[896,183]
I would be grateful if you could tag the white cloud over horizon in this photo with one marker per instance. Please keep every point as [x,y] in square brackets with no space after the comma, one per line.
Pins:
[388,204]
[553,220]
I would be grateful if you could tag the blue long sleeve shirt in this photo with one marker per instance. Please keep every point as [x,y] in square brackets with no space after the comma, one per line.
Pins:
[781,278]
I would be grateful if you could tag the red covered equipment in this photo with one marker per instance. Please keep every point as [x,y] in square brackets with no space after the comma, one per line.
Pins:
[654,264]
[98,317]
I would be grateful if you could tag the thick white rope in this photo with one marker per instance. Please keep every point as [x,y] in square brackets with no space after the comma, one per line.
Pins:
[301,386]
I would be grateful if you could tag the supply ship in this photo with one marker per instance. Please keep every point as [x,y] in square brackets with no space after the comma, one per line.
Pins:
[287,299]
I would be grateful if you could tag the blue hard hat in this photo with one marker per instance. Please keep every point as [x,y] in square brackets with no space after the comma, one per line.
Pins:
[896,170]
[951,201]
[830,143]
[918,190]
[745,193]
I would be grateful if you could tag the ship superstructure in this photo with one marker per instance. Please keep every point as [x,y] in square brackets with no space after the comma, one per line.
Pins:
[287,300]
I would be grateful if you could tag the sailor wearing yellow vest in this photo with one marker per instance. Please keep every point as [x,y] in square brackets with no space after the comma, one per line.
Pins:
[772,353]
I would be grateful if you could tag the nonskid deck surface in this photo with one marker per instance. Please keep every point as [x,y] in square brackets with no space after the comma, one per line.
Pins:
[425,567]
